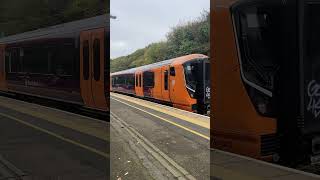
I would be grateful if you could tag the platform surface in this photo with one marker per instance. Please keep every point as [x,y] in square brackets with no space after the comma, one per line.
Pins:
[38,142]
[225,166]
[168,143]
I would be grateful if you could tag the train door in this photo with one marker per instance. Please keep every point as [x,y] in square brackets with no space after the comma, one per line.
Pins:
[92,68]
[165,83]
[139,84]
[2,68]
[172,83]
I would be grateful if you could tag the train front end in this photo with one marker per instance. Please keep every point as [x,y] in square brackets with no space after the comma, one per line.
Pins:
[197,76]
[267,79]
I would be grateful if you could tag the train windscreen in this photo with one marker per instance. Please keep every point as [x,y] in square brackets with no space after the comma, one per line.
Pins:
[197,76]
[190,76]
[257,32]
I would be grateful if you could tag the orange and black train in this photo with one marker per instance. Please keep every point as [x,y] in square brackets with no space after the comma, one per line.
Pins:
[265,75]
[181,82]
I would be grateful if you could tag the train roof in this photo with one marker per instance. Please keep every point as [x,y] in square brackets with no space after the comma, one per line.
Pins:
[59,30]
[178,60]
[225,3]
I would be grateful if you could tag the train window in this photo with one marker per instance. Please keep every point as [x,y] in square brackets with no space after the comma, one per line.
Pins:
[258,31]
[148,79]
[130,80]
[136,80]
[140,79]
[62,59]
[172,71]
[190,71]
[166,80]
[312,41]
[96,59]
[13,60]
[85,60]
[259,43]
[35,60]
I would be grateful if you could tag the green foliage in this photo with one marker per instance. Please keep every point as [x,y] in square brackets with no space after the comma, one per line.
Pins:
[184,39]
[17,16]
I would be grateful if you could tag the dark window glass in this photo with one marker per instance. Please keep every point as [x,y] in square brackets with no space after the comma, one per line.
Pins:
[130,80]
[13,60]
[312,41]
[259,44]
[35,59]
[259,40]
[148,79]
[207,71]
[96,59]
[166,80]
[190,71]
[61,58]
[140,79]
[172,71]
[136,80]
[86,60]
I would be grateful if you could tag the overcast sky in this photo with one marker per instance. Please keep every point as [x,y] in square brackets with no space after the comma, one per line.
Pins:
[141,22]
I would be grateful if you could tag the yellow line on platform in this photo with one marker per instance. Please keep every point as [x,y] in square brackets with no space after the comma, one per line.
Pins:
[178,125]
[57,136]
[179,116]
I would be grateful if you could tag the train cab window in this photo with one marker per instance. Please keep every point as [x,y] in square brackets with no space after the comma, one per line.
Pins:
[148,79]
[172,71]
[166,80]
[96,59]
[85,60]
[259,46]
[140,79]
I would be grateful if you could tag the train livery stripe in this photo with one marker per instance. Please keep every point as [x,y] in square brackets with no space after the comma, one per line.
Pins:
[179,116]
[173,123]
[57,136]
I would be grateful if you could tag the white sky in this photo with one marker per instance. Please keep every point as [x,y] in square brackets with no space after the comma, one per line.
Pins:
[141,22]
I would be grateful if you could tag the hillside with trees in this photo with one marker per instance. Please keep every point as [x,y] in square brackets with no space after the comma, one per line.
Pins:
[17,16]
[188,38]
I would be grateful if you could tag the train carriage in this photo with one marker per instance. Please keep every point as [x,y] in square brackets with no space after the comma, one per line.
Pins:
[181,82]
[265,79]
[67,62]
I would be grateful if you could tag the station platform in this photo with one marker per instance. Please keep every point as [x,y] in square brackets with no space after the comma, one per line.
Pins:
[229,166]
[40,143]
[162,142]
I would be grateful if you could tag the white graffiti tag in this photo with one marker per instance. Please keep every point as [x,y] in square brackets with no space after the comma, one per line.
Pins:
[208,92]
[314,98]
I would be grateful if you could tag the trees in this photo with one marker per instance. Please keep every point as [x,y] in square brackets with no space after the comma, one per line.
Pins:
[17,16]
[184,39]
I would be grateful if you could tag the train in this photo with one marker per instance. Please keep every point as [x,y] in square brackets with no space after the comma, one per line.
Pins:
[265,79]
[67,63]
[182,82]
